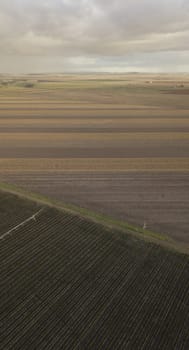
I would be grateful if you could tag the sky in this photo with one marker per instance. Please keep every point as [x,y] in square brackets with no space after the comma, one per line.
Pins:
[55,36]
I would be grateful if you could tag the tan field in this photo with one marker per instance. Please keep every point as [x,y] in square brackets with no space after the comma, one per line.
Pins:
[118,144]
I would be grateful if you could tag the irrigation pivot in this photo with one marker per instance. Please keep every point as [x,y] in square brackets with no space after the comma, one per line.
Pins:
[33,217]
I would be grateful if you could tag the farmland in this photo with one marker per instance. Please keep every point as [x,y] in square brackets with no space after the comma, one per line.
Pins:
[116,144]
[68,282]
[18,209]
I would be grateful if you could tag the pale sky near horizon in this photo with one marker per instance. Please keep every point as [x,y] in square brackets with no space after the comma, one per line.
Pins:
[94,35]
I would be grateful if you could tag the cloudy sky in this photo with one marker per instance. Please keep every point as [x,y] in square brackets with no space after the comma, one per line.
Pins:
[94,35]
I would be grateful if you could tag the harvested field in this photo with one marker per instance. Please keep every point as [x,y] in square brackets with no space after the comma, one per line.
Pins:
[70,283]
[94,145]
[124,136]
[49,165]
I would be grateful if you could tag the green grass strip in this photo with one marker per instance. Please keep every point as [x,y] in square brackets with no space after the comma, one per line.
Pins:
[98,217]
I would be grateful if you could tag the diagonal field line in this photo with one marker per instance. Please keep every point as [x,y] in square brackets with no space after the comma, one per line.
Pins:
[33,217]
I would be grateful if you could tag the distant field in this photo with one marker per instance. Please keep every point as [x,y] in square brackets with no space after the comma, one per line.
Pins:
[70,283]
[94,129]
[94,145]
[85,164]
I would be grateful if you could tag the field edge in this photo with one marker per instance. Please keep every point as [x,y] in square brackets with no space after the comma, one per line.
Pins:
[105,220]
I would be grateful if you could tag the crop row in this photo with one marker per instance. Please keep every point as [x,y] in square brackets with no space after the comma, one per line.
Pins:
[24,278]
[70,283]
[13,211]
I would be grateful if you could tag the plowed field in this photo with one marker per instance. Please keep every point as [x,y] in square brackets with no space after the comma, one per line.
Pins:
[118,144]
[70,283]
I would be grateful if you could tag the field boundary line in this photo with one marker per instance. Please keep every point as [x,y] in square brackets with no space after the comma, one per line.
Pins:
[32,217]
[104,220]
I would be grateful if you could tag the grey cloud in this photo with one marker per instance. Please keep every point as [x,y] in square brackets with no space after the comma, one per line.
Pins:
[92,29]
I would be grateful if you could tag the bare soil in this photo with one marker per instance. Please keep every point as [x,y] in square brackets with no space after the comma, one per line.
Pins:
[118,144]
[158,199]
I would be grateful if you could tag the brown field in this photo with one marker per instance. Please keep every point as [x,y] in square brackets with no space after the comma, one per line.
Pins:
[118,144]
